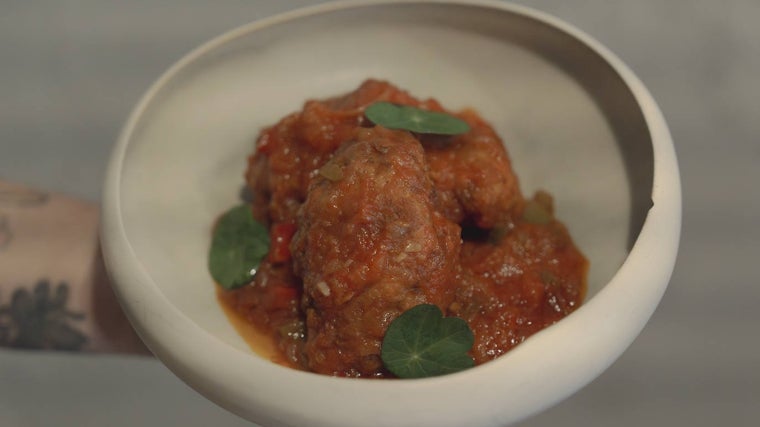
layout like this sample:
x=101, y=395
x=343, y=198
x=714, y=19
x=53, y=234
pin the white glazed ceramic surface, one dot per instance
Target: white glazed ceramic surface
x=575, y=120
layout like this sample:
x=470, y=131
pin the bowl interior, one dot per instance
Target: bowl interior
x=569, y=121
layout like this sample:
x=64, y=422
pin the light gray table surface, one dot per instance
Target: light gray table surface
x=71, y=70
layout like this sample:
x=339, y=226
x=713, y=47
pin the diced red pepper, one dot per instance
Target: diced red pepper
x=265, y=145
x=280, y=235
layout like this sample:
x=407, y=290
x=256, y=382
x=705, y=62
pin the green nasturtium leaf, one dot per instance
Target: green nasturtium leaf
x=238, y=245
x=414, y=119
x=422, y=343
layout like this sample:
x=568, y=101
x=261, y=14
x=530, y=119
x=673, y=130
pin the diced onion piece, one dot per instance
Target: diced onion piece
x=323, y=288
x=331, y=171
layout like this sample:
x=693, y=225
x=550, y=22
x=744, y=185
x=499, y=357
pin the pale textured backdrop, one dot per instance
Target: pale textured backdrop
x=71, y=70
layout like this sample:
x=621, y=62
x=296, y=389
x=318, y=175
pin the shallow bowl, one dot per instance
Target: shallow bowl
x=575, y=119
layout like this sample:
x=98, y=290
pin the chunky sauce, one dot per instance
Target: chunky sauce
x=367, y=222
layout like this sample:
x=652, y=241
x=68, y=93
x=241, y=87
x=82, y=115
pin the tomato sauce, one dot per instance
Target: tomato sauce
x=367, y=222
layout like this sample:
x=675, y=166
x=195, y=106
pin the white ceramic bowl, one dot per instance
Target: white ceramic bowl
x=575, y=120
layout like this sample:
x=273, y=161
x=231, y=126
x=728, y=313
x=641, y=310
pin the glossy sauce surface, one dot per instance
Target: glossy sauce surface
x=367, y=222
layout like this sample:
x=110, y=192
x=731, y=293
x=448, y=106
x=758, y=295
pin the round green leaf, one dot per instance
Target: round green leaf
x=422, y=343
x=238, y=245
x=414, y=119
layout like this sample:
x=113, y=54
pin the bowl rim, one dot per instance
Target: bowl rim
x=437, y=400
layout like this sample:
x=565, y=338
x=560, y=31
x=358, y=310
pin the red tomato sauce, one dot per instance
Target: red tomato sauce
x=367, y=222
